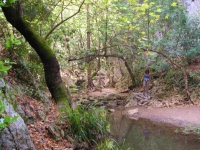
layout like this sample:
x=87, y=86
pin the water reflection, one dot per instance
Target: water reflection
x=143, y=134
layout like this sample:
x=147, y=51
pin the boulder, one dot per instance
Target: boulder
x=16, y=135
x=131, y=112
x=26, y=114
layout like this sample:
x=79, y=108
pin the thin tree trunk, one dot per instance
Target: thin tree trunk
x=89, y=78
x=106, y=33
x=51, y=66
x=187, y=94
x=130, y=73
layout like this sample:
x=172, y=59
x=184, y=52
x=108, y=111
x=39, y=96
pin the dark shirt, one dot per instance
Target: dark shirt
x=146, y=77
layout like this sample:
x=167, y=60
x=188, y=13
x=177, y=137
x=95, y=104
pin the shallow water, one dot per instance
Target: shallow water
x=143, y=134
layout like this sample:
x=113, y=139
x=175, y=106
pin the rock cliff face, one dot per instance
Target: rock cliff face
x=16, y=135
x=193, y=8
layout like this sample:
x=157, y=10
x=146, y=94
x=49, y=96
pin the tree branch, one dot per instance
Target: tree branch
x=93, y=56
x=187, y=93
x=64, y=20
x=165, y=56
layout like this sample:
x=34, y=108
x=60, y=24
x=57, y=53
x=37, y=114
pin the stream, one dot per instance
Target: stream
x=143, y=134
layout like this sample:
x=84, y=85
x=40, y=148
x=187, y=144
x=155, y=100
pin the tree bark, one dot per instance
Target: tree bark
x=89, y=77
x=51, y=66
x=130, y=73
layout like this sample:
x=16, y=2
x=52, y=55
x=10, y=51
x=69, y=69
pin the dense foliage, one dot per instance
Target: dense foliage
x=85, y=37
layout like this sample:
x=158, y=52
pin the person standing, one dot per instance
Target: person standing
x=146, y=79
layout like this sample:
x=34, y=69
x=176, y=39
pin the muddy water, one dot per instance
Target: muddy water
x=143, y=134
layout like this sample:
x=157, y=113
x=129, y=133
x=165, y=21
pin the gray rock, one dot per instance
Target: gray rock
x=55, y=132
x=2, y=83
x=16, y=135
x=111, y=110
x=131, y=112
x=41, y=114
x=27, y=116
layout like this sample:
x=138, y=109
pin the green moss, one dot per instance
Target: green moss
x=46, y=54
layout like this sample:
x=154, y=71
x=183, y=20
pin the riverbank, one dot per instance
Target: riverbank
x=181, y=115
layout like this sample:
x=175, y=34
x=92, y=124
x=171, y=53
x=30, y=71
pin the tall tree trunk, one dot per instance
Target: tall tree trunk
x=51, y=66
x=89, y=76
x=106, y=33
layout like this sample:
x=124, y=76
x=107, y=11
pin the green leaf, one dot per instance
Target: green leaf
x=7, y=60
x=2, y=126
x=5, y=68
x=12, y=38
x=174, y=4
x=8, y=3
x=2, y=108
x=7, y=119
x=16, y=42
x=8, y=44
x=4, y=72
x=1, y=3
x=14, y=118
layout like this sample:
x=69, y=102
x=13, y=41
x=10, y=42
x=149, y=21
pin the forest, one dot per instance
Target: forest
x=69, y=67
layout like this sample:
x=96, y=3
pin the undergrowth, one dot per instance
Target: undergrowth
x=86, y=124
x=6, y=96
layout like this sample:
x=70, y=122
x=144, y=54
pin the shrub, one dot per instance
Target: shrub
x=194, y=79
x=174, y=77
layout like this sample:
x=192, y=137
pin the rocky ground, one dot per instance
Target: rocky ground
x=40, y=119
